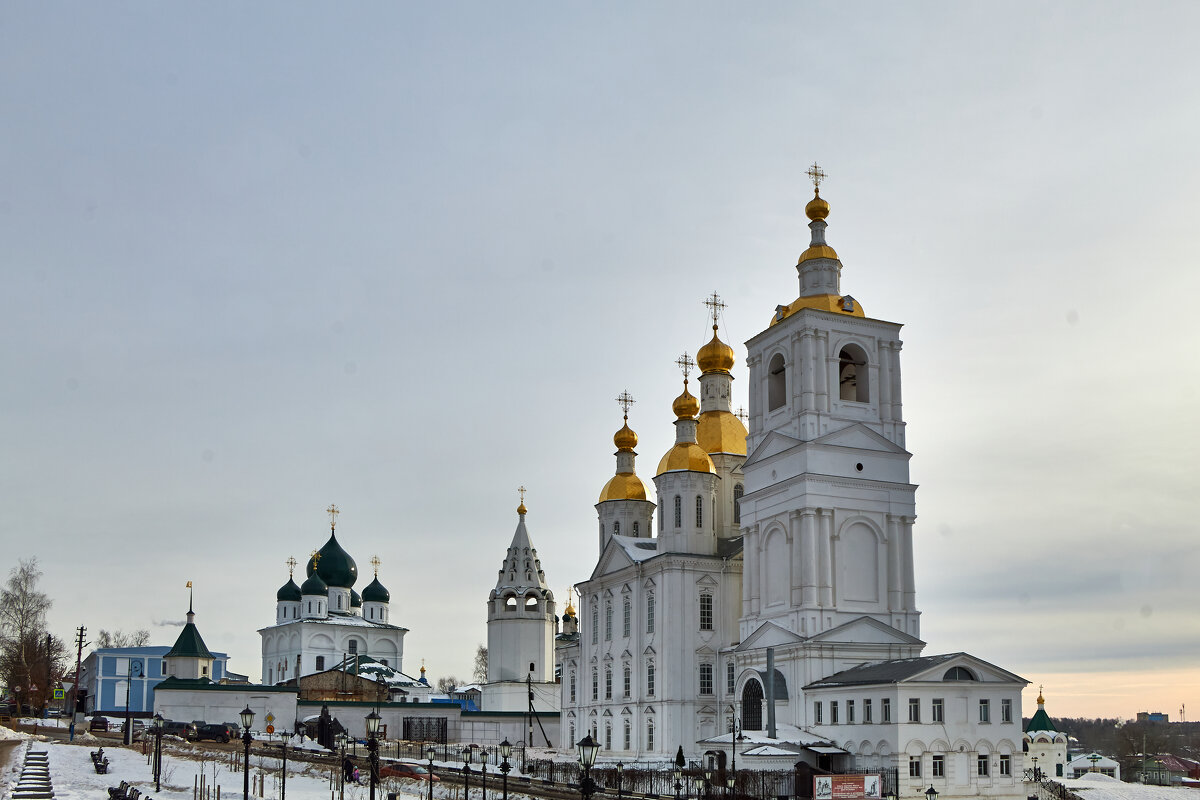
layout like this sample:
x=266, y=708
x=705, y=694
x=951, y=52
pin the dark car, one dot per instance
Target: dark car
x=405, y=770
x=216, y=732
x=184, y=730
x=98, y=724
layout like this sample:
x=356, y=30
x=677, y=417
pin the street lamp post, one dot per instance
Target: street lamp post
x=931, y=793
x=373, y=748
x=1036, y=776
x=467, y=772
x=620, y=774
x=247, y=720
x=341, y=740
x=707, y=778
x=430, y=751
x=283, y=776
x=678, y=771
x=588, y=748
x=483, y=759
x=158, y=734
x=505, y=752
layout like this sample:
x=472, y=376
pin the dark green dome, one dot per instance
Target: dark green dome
x=335, y=566
x=375, y=593
x=314, y=585
x=289, y=591
x=355, y=599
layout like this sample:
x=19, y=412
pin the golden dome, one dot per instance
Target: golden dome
x=625, y=439
x=521, y=509
x=825, y=302
x=624, y=486
x=686, y=456
x=716, y=356
x=817, y=208
x=685, y=406
x=721, y=432
x=570, y=612
x=817, y=251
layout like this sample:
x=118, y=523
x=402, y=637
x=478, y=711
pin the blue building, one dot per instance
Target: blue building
x=108, y=672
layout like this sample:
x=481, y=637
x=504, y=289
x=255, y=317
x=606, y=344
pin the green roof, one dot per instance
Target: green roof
x=1040, y=722
x=189, y=644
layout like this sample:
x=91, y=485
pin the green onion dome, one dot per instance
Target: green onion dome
x=334, y=565
x=355, y=599
x=314, y=585
x=375, y=593
x=289, y=591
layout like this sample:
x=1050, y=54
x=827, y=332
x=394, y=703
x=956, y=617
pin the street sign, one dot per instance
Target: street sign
x=59, y=694
x=270, y=717
x=270, y=729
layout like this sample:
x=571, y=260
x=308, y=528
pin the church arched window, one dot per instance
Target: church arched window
x=352, y=646
x=650, y=734
x=572, y=685
x=616, y=528
x=531, y=603
x=852, y=374
x=699, y=511
x=738, y=491
x=635, y=529
x=607, y=621
x=776, y=382
x=678, y=511
x=650, y=612
x=628, y=612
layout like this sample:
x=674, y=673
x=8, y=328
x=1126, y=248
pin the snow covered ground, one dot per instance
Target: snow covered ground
x=1094, y=786
x=74, y=778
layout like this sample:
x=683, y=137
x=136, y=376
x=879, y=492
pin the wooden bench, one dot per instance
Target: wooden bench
x=119, y=792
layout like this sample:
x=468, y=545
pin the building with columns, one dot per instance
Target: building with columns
x=775, y=593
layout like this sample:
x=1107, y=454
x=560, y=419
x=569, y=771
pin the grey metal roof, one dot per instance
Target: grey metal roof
x=780, y=684
x=894, y=671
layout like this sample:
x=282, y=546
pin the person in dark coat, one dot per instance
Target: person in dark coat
x=348, y=769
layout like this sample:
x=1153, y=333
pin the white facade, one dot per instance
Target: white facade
x=800, y=551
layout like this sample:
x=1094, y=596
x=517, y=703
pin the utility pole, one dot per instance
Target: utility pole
x=79, y=644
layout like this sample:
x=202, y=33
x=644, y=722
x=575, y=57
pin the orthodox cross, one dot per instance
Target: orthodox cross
x=521, y=491
x=316, y=558
x=715, y=306
x=817, y=174
x=332, y=511
x=291, y=565
x=625, y=400
x=685, y=363
x=375, y=562
x=741, y=414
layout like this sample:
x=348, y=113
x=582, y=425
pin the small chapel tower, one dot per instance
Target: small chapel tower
x=686, y=482
x=624, y=507
x=828, y=509
x=189, y=658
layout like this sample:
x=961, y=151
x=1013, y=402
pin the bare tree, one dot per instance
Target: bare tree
x=29, y=657
x=138, y=638
x=481, y=664
x=447, y=684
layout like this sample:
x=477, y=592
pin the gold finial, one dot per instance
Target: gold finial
x=332, y=511
x=315, y=555
x=817, y=174
x=715, y=307
x=521, y=508
x=375, y=562
x=625, y=401
x=291, y=565
x=685, y=363
x=741, y=414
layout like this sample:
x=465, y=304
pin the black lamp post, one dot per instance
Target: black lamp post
x=1036, y=776
x=707, y=777
x=341, y=740
x=931, y=793
x=158, y=734
x=620, y=773
x=678, y=771
x=431, y=751
x=467, y=772
x=505, y=752
x=588, y=748
x=283, y=738
x=247, y=720
x=483, y=759
x=373, y=748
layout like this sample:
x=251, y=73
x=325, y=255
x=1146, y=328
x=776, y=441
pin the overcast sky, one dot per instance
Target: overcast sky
x=262, y=258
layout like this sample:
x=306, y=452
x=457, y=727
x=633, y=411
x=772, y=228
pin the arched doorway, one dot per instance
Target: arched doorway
x=752, y=700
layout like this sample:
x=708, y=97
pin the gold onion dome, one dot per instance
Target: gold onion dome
x=623, y=486
x=686, y=406
x=817, y=208
x=721, y=432
x=625, y=439
x=570, y=612
x=686, y=456
x=716, y=356
x=522, y=510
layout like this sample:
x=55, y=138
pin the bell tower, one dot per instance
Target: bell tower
x=828, y=509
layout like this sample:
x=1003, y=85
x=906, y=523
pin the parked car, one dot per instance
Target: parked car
x=405, y=770
x=99, y=724
x=216, y=732
x=184, y=730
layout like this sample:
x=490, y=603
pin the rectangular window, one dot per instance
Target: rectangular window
x=914, y=709
x=353, y=645
x=1006, y=765
x=122, y=667
x=626, y=675
x=849, y=712
x=1005, y=711
x=608, y=687
x=595, y=685
x=706, y=679
x=885, y=709
x=164, y=667
x=595, y=625
x=572, y=687
x=981, y=765
x=914, y=766
x=985, y=711
x=867, y=711
x=608, y=736
x=650, y=679
x=818, y=713
x=649, y=735
x=320, y=663
x=628, y=615
x=706, y=617
x=608, y=622
x=833, y=712
x=939, y=710
x=649, y=613
x=939, y=766
x=628, y=731
x=730, y=682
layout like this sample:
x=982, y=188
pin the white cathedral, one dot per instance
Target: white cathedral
x=773, y=600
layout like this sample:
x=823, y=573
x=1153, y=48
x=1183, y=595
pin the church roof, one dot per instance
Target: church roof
x=289, y=591
x=892, y=671
x=376, y=593
x=1041, y=722
x=333, y=564
x=522, y=569
x=189, y=644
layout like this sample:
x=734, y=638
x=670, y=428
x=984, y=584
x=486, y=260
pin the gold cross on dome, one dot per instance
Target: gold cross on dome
x=316, y=558
x=291, y=565
x=715, y=306
x=625, y=401
x=741, y=414
x=817, y=174
x=685, y=363
x=521, y=490
x=332, y=511
x=375, y=562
